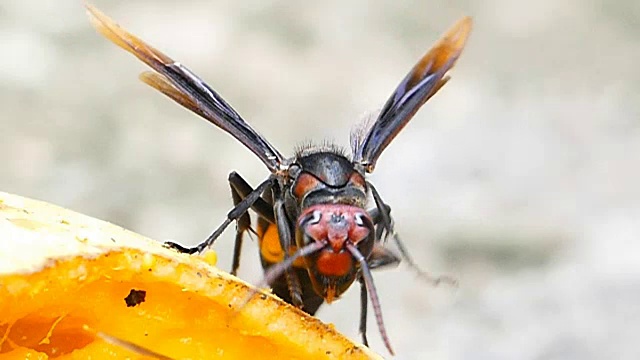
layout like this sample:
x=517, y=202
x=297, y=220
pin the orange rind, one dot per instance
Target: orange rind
x=74, y=287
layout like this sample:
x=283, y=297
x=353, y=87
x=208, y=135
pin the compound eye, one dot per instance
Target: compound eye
x=361, y=220
x=310, y=218
x=304, y=184
x=361, y=233
x=316, y=216
x=311, y=228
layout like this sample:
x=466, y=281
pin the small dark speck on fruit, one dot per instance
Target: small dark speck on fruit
x=135, y=297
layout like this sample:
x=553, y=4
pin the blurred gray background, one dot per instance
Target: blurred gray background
x=520, y=177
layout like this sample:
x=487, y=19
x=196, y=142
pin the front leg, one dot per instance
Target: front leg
x=240, y=189
x=376, y=216
x=384, y=217
x=234, y=214
x=286, y=241
x=382, y=257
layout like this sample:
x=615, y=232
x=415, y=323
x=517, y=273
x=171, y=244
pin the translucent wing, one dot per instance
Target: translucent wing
x=422, y=82
x=180, y=84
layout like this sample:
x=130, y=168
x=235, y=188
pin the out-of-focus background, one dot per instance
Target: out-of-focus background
x=521, y=177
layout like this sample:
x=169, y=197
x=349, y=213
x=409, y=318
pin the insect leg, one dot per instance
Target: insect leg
x=404, y=252
x=382, y=257
x=286, y=241
x=376, y=216
x=234, y=214
x=363, y=311
x=260, y=206
x=242, y=224
x=240, y=189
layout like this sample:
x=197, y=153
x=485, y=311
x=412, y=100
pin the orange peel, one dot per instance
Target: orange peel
x=64, y=278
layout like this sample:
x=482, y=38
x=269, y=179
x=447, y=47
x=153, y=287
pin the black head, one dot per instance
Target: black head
x=326, y=177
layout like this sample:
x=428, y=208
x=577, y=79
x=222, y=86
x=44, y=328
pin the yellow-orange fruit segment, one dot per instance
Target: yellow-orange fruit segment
x=64, y=278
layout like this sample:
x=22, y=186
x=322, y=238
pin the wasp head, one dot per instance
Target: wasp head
x=333, y=268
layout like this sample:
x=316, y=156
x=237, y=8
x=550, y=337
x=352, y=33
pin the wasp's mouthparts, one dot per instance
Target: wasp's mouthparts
x=335, y=225
x=331, y=294
x=337, y=232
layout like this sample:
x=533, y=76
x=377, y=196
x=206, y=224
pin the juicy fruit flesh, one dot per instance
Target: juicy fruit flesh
x=51, y=323
x=45, y=315
x=64, y=278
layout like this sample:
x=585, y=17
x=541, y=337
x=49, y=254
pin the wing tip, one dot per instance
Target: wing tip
x=107, y=27
x=132, y=44
x=98, y=19
x=458, y=34
x=94, y=15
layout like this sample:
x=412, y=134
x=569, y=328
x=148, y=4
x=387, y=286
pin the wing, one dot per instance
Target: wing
x=184, y=87
x=420, y=84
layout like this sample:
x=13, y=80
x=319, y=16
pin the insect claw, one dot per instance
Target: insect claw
x=253, y=231
x=179, y=248
x=296, y=299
